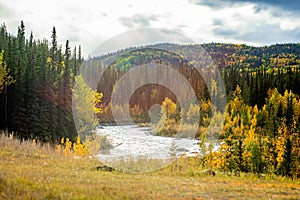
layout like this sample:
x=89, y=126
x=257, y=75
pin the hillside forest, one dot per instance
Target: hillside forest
x=261, y=118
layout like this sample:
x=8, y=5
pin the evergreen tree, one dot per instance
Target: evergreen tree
x=286, y=165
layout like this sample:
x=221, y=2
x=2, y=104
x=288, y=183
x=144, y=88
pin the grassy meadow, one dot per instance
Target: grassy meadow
x=31, y=171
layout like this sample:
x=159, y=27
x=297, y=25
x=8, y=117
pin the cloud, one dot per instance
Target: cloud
x=225, y=32
x=261, y=33
x=247, y=23
x=215, y=4
x=5, y=11
x=217, y=22
x=140, y=37
x=91, y=23
x=289, y=5
x=137, y=21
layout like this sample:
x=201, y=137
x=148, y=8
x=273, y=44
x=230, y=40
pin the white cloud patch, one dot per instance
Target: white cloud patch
x=288, y=25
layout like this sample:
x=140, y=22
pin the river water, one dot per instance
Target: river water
x=131, y=142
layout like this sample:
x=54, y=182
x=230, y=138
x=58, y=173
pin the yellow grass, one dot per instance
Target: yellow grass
x=32, y=171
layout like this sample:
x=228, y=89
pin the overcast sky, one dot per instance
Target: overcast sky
x=91, y=22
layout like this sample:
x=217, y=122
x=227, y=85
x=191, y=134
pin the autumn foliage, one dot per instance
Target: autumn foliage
x=261, y=141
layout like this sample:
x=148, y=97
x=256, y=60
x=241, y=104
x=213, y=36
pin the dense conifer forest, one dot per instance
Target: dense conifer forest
x=37, y=103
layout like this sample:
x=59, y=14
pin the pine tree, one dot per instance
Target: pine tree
x=286, y=165
x=67, y=95
x=18, y=111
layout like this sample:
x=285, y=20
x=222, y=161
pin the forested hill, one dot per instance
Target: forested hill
x=238, y=55
x=279, y=55
x=254, y=69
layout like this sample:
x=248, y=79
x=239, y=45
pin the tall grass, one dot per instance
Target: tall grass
x=30, y=170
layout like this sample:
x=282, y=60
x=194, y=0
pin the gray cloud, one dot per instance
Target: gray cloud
x=263, y=34
x=137, y=21
x=260, y=7
x=271, y=35
x=215, y=4
x=225, y=32
x=289, y=5
x=217, y=22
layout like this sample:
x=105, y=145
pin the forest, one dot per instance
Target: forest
x=36, y=91
x=261, y=129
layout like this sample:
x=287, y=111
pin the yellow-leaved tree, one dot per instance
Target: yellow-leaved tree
x=85, y=107
x=5, y=78
x=168, y=107
x=240, y=148
x=170, y=119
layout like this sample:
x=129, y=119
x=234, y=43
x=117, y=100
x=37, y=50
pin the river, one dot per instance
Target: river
x=132, y=141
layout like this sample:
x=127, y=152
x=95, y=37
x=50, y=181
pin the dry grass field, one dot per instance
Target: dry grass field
x=32, y=171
